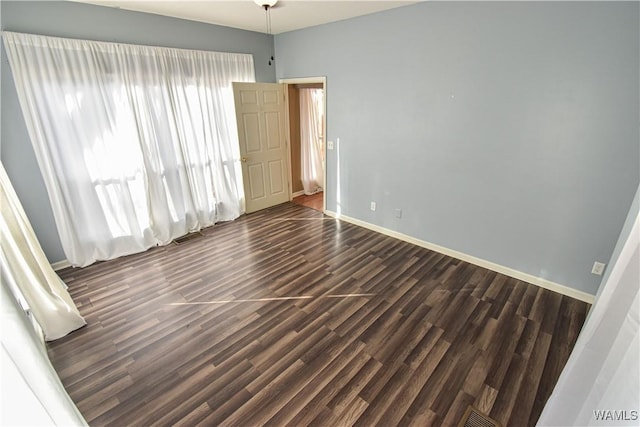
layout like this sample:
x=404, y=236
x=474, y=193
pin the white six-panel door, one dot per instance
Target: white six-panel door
x=260, y=114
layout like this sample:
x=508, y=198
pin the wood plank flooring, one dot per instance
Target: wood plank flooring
x=313, y=201
x=288, y=317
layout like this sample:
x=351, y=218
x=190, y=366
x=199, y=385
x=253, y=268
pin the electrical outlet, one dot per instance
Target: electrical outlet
x=398, y=213
x=373, y=206
x=598, y=268
x=329, y=145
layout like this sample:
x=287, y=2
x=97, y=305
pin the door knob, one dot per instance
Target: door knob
x=243, y=159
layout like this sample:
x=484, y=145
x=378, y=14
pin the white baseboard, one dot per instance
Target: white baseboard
x=525, y=277
x=297, y=194
x=60, y=265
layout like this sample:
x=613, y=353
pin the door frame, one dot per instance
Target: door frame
x=304, y=80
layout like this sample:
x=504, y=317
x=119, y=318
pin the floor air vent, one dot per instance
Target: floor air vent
x=474, y=418
x=187, y=237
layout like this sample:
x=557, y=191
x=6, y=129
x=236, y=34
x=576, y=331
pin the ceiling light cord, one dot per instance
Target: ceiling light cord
x=267, y=5
x=267, y=9
x=269, y=30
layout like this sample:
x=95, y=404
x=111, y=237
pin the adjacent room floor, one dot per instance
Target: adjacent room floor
x=288, y=317
x=313, y=201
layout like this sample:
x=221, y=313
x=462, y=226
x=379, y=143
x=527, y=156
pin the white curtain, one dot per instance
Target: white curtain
x=311, y=139
x=600, y=385
x=35, y=306
x=137, y=145
x=28, y=274
x=32, y=394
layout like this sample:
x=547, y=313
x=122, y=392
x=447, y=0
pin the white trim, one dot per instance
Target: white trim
x=297, y=194
x=303, y=80
x=60, y=265
x=287, y=124
x=525, y=277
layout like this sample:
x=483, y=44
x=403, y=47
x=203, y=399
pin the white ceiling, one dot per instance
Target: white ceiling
x=286, y=15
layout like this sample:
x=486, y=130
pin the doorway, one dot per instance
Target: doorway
x=306, y=99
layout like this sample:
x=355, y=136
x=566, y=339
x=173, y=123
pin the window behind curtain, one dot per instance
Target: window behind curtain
x=137, y=144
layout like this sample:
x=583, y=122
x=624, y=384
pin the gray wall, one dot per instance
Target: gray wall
x=75, y=20
x=504, y=130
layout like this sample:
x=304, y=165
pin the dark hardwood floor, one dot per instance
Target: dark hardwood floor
x=288, y=317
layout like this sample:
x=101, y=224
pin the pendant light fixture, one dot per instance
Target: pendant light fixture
x=267, y=5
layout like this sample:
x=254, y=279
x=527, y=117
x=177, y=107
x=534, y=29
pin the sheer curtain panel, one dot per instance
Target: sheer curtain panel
x=137, y=145
x=35, y=306
x=32, y=394
x=27, y=272
x=311, y=112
